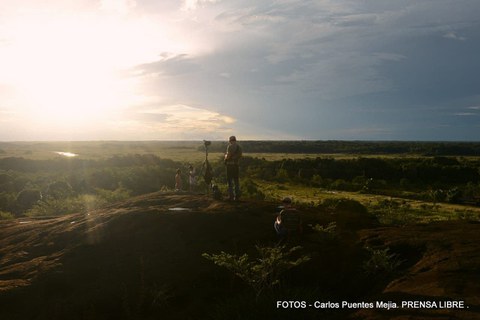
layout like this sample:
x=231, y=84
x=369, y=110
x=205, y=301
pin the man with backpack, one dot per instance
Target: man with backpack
x=234, y=153
x=288, y=222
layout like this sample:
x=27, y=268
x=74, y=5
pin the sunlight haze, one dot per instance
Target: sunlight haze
x=195, y=69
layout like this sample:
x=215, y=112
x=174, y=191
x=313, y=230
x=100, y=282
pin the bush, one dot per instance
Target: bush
x=55, y=207
x=7, y=201
x=6, y=215
x=262, y=273
x=317, y=180
x=113, y=196
x=343, y=204
x=59, y=190
x=328, y=231
x=282, y=176
x=251, y=190
x=27, y=198
x=381, y=261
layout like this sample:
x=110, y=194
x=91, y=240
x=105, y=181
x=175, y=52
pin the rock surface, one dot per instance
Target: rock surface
x=141, y=259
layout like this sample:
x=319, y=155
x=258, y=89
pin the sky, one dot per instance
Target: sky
x=208, y=69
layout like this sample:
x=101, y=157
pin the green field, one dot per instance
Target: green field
x=391, y=210
x=413, y=186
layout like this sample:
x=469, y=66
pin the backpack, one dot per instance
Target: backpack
x=236, y=154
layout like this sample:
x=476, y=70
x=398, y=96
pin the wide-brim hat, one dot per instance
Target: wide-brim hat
x=287, y=200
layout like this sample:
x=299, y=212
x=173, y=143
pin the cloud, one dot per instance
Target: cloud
x=390, y=56
x=6, y=115
x=169, y=64
x=454, y=36
x=194, y=4
x=465, y=114
x=357, y=20
x=290, y=66
x=175, y=122
x=121, y=7
x=226, y=75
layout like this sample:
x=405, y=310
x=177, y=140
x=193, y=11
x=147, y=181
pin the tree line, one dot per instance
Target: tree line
x=453, y=179
x=357, y=147
x=44, y=187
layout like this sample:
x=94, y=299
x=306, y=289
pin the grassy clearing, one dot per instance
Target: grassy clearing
x=389, y=210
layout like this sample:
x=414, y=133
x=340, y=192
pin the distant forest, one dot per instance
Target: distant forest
x=357, y=147
x=430, y=171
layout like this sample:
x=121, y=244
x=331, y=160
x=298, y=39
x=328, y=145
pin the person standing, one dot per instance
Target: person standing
x=178, y=180
x=234, y=153
x=192, y=178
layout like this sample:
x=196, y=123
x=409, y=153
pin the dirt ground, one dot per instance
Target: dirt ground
x=142, y=259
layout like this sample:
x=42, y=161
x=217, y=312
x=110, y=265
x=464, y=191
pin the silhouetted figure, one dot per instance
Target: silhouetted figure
x=208, y=174
x=178, y=180
x=288, y=221
x=192, y=178
x=234, y=153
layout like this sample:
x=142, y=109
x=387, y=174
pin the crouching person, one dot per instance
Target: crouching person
x=288, y=222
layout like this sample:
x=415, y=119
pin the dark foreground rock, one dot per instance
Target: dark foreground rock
x=142, y=259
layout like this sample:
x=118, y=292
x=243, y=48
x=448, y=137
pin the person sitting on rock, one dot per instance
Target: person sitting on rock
x=288, y=221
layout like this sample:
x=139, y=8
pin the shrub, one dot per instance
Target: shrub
x=251, y=190
x=6, y=215
x=5, y=178
x=329, y=230
x=317, y=180
x=59, y=190
x=381, y=261
x=113, y=196
x=261, y=273
x=27, y=198
x=393, y=212
x=282, y=175
x=343, y=204
x=54, y=207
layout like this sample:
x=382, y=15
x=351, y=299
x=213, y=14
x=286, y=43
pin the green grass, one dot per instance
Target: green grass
x=389, y=210
x=399, y=210
x=6, y=215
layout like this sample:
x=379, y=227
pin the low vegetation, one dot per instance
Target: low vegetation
x=428, y=181
x=381, y=261
x=264, y=272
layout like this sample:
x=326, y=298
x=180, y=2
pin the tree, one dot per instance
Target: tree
x=27, y=198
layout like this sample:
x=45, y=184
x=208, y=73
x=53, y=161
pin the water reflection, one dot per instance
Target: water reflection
x=66, y=154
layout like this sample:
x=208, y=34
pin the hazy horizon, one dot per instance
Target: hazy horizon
x=245, y=140
x=143, y=70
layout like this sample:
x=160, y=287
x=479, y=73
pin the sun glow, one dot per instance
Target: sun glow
x=69, y=70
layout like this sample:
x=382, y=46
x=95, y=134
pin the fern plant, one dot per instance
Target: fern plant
x=381, y=260
x=263, y=272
